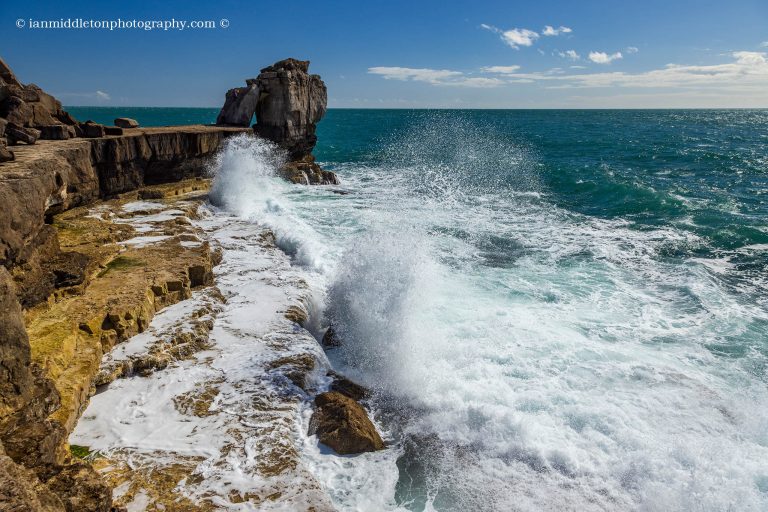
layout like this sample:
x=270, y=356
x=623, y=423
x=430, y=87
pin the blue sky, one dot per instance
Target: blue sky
x=403, y=54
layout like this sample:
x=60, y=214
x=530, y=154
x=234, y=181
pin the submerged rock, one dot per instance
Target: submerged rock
x=343, y=425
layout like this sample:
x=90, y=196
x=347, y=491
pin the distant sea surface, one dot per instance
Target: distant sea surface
x=557, y=309
x=146, y=116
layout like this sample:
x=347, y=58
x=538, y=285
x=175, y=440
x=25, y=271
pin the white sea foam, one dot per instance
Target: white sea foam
x=525, y=357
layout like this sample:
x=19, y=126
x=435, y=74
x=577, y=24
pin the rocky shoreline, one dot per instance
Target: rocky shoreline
x=100, y=232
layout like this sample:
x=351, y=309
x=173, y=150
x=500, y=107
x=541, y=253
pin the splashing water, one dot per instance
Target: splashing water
x=550, y=321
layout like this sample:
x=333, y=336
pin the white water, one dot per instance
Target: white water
x=524, y=357
x=563, y=371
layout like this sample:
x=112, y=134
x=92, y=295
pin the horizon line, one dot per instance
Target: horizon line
x=453, y=108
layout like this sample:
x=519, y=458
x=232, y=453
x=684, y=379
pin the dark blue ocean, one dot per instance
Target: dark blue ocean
x=556, y=309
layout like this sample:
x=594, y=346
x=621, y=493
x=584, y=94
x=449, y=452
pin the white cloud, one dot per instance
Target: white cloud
x=475, y=82
x=745, y=76
x=433, y=76
x=518, y=37
x=569, y=54
x=604, y=58
x=764, y=44
x=551, y=31
x=500, y=69
x=747, y=72
x=632, y=49
x=416, y=74
x=102, y=95
x=750, y=58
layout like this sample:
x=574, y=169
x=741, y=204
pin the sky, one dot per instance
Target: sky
x=400, y=54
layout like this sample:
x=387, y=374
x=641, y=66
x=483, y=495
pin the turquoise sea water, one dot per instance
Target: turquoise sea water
x=558, y=310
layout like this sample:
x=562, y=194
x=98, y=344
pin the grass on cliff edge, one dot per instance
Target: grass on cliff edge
x=82, y=452
x=122, y=263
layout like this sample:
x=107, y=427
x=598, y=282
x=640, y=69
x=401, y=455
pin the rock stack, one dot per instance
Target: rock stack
x=288, y=103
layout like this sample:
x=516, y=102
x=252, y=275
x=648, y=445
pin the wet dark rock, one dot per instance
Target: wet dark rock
x=343, y=425
x=113, y=130
x=297, y=368
x=307, y=172
x=348, y=388
x=330, y=338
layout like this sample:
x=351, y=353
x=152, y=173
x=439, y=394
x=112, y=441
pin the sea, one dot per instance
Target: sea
x=554, y=309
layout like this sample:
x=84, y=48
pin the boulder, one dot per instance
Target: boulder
x=91, y=130
x=348, y=388
x=113, y=130
x=343, y=425
x=291, y=102
x=16, y=134
x=239, y=105
x=126, y=122
x=54, y=132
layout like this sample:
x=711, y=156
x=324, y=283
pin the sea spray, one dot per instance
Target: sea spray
x=241, y=173
x=246, y=182
x=550, y=330
x=372, y=301
x=524, y=368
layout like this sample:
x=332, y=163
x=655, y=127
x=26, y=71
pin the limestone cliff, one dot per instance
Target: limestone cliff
x=44, y=180
x=46, y=270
